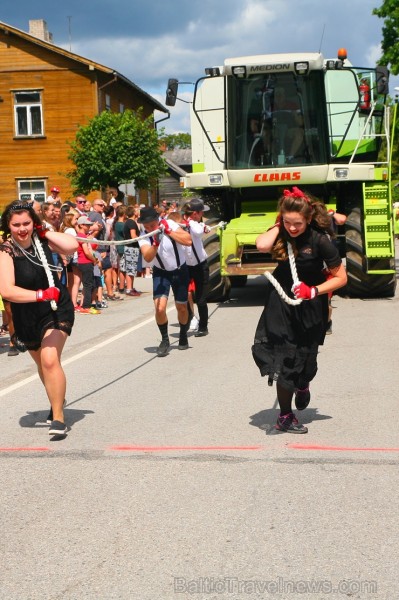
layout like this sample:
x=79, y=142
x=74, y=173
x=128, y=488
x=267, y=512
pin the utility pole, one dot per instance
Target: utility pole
x=69, y=33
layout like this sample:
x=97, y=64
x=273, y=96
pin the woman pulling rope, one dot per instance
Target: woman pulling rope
x=42, y=310
x=290, y=330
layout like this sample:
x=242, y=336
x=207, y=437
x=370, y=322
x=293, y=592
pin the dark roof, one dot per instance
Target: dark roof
x=178, y=170
x=179, y=156
x=81, y=59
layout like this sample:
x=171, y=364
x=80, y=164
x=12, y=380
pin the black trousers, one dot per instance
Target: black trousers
x=87, y=270
x=200, y=274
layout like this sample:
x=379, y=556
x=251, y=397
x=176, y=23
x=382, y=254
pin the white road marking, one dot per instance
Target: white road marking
x=16, y=386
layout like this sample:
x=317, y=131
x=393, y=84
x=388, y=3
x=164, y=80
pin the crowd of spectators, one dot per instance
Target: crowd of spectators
x=96, y=274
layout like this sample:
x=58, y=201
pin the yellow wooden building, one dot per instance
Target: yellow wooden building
x=46, y=92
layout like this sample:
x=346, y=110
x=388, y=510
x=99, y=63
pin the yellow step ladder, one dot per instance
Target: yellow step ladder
x=378, y=229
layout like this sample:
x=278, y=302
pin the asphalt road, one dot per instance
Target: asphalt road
x=170, y=483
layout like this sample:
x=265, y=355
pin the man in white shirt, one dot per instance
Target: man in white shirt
x=197, y=259
x=165, y=253
x=54, y=195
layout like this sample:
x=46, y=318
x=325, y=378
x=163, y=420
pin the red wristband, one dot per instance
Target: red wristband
x=41, y=231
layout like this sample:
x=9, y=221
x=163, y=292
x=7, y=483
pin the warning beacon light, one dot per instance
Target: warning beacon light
x=342, y=54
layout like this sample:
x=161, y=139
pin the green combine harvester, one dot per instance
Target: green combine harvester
x=262, y=123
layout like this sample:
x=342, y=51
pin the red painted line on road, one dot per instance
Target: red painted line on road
x=25, y=449
x=172, y=448
x=339, y=448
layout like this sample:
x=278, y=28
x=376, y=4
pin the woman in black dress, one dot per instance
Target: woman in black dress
x=294, y=321
x=42, y=310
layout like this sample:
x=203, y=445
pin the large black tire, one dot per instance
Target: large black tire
x=360, y=283
x=219, y=287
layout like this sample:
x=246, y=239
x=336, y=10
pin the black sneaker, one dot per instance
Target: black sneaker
x=201, y=333
x=302, y=398
x=290, y=424
x=49, y=419
x=12, y=351
x=57, y=428
x=329, y=328
x=183, y=345
x=163, y=348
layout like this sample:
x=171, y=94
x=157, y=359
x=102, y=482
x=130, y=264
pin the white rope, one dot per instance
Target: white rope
x=291, y=258
x=133, y=240
x=118, y=242
x=43, y=259
x=295, y=279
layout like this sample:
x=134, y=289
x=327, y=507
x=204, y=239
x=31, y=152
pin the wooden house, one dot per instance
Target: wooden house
x=46, y=93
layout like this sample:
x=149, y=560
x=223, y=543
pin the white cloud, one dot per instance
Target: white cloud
x=180, y=114
x=229, y=28
x=200, y=43
x=374, y=54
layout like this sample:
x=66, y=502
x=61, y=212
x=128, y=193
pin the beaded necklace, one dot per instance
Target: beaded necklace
x=38, y=252
x=31, y=256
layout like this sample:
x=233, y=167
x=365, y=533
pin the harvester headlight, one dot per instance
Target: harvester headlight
x=216, y=179
x=334, y=64
x=301, y=68
x=212, y=71
x=240, y=72
x=341, y=173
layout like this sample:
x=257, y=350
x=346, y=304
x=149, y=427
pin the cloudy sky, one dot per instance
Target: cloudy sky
x=149, y=41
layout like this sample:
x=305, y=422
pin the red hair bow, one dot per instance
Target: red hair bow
x=296, y=193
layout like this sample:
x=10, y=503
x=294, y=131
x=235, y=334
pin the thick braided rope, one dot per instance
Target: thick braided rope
x=131, y=241
x=117, y=242
x=295, y=279
x=291, y=258
x=46, y=267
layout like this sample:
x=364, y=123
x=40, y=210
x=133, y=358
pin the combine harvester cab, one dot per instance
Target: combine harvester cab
x=264, y=123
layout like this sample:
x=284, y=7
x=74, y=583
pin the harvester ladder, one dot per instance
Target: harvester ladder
x=384, y=135
x=378, y=231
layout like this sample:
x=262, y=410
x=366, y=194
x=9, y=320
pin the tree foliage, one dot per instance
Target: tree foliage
x=176, y=140
x=116, y=148
x=389, y=11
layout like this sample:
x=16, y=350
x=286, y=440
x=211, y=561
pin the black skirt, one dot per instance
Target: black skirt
x=287, y=339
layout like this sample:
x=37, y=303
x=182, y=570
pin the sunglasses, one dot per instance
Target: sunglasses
x=81, y=202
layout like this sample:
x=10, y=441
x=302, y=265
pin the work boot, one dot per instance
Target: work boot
x=183, y=344
x=201, y=333
x=163, y=347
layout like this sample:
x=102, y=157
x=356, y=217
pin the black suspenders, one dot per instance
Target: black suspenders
x=195, y=253
x=176, y=255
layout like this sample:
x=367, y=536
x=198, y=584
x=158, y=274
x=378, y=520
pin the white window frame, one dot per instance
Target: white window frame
x=29, y=119
x=107, y=102
x=26, y=194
